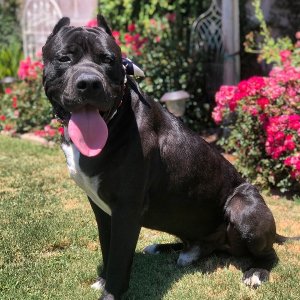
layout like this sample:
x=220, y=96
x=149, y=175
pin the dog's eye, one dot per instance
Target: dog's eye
x=64, y=58
x=108, y=59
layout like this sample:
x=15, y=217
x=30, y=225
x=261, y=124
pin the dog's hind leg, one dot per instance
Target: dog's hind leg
x=251, y=230
x=189, y=252
x=259, y=271
x=189, y=256
x=163, y=248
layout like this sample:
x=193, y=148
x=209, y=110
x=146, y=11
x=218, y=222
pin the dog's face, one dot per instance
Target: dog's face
x=84, y=80
x=83, y=67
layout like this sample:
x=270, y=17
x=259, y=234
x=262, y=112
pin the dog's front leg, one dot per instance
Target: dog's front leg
x=104, y=230
x=125, y=229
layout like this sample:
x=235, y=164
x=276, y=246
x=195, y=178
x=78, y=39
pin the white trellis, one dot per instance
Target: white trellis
x=38, y=20
x=206, y=33
x=215, y=35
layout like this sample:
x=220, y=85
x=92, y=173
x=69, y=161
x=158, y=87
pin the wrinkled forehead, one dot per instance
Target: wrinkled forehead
x=87, y=39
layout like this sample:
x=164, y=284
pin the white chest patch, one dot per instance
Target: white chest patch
x=89, y=184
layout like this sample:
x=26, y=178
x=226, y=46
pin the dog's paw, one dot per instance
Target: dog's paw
x=255, y=277
x=151, y=249
x=107, y=296
x=99, y=284
x=187, y=257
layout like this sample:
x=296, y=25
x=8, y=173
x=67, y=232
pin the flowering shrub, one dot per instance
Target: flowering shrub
x=269, y=49
x=29, y=70
x=24, y=106
x=52, y=131
x=131, y=42
x=156, y=35
x=265, y=124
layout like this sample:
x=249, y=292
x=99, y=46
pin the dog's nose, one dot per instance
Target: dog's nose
x=88, y=84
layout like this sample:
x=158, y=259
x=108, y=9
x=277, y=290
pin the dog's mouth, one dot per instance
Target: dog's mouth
x=88, y=130
x=86, y=127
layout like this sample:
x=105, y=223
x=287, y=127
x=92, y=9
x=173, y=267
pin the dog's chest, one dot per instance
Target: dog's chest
x=89, y=184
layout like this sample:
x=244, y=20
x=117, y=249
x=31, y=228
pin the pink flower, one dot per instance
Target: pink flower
x=263, y=102
x=92, y=23
x=254, y=111
x=289, y=143
x=8, y=127
x=217, y=116
x=47, y=128
x=171, y=17
x=39, y=54
x=29, y=69
x=285, y=55
x=14, y=102
x=273, y=90
x=40, y=133
x=232, y=104
x=294, y=122
x=116, y=34
x=153, y=22
x=224, y=99
x=280, y=138
x=251, y=86
x=8, y=91
x=294, y=163
x=131, y=27
x=2, y=118
x=61, y=130
x=157, y=39
x=128, y=38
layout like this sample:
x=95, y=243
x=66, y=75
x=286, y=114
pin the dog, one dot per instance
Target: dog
x=141, y=166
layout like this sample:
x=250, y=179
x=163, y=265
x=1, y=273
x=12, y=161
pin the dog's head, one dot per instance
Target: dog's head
x=83, y=77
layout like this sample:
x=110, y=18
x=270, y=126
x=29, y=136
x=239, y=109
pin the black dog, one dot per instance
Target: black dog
x=140, y=166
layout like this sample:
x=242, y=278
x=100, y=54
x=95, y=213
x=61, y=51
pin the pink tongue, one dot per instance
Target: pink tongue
x=88, y=131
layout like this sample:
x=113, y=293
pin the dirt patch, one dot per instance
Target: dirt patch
x=93, y=246
x=71, y=204
x=57, y=246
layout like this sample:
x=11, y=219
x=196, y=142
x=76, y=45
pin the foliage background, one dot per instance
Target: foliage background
x=263, y=113
x=167, y=63
x=10, y=38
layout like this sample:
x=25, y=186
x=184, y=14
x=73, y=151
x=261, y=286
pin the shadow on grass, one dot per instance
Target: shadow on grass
x=152, y=276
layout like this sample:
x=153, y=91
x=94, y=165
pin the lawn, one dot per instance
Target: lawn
x=49, y=245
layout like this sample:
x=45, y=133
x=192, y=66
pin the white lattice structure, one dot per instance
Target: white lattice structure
x=206, y=33
x=38, y=20
x=215, y=39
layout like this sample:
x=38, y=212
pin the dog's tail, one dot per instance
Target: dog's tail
x=280, y=239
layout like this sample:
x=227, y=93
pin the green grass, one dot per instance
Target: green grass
x=49, y=245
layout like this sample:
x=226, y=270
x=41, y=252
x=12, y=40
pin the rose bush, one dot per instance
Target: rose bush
x=157, y=36
x=24, y=106
x=263, y=114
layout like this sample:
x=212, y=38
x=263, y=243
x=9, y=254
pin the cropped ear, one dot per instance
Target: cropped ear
x=59, y=25
x=102, y=24
x=65, y=21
